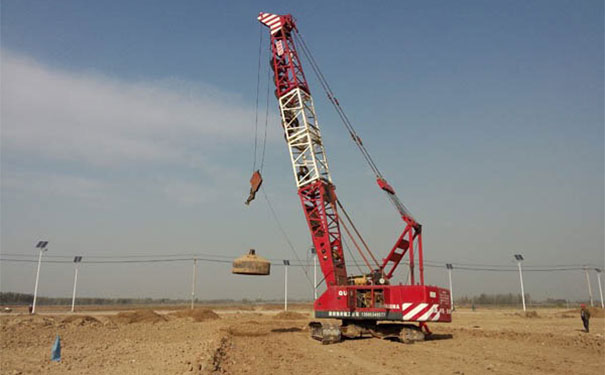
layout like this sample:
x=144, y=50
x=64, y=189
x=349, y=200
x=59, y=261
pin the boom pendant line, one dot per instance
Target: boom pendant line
x=363, y=300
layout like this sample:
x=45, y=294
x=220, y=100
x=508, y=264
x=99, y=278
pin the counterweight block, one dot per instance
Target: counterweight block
x=251, y=264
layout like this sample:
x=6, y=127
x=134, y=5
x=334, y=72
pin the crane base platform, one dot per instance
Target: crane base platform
x=331, y=333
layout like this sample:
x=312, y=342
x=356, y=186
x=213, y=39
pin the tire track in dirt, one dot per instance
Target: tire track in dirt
x=594, y=343
x=293, y=351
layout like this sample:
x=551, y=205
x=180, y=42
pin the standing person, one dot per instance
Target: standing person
x=585, y=315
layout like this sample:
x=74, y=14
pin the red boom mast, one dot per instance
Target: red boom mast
x=307, y=153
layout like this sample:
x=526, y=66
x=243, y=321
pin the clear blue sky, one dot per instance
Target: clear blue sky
x=127, y=127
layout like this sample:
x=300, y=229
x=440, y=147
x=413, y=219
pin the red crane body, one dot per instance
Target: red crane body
x=349, y=298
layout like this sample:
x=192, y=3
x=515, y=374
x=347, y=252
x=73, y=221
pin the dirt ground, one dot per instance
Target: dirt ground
x=260, y=340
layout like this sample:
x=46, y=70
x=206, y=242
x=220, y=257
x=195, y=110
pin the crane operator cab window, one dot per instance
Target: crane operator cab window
x=369, y=298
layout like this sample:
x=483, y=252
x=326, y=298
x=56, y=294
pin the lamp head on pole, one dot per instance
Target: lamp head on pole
x=42, y=245
x=519, y=257
x=598, y=270
x=286, y=262
x=77, y=259
x=449, y=266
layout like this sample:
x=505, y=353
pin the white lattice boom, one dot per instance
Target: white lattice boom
x=303, y=136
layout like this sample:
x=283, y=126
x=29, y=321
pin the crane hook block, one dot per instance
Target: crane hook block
x=255, y=182
x=251, y=264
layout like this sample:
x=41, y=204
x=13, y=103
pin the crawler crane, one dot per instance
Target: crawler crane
x=365, y=304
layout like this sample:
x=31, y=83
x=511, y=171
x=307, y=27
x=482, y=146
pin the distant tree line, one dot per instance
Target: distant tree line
x=12, y=298
x=509, y=299
x=493, y=299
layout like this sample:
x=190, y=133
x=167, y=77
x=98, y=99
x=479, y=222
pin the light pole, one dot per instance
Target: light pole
x=589, y=288
x=77, y=260
x=450, y=267
x=42, y=246
x=519, y=259
x=600, y=290
x=193, y=282
x=314, y=254
x=286, y=264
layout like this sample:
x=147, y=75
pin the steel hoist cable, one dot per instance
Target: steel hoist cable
x=262, y=159
x=357, y=232
x=283, y=232
x=260, y=45
x=347, y=123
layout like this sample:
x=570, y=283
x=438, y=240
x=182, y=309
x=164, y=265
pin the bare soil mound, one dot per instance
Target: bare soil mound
x=527, y=314
x=531, y=314
x=288, y=315
x=81, y=320
x=198, y=315
x=249, y=329
x=33, y=321
x=140, y=316
x=268, y=307
x=245, y=307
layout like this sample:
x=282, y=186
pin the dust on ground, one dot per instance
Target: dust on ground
x=528, y=314
x=249, y=328
x=250, y=342
x=290, y=315
x=575, y=313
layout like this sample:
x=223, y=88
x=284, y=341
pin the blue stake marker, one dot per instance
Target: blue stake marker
x=56, y=351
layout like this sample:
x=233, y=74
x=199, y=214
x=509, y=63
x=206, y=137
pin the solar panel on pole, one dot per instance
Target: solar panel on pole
x=589, y=288
x=286, y=264
x=450, y=267
x=77, y=260
x=193, y=282
x=600, y=289
x=42, y=246
x=519, y=259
